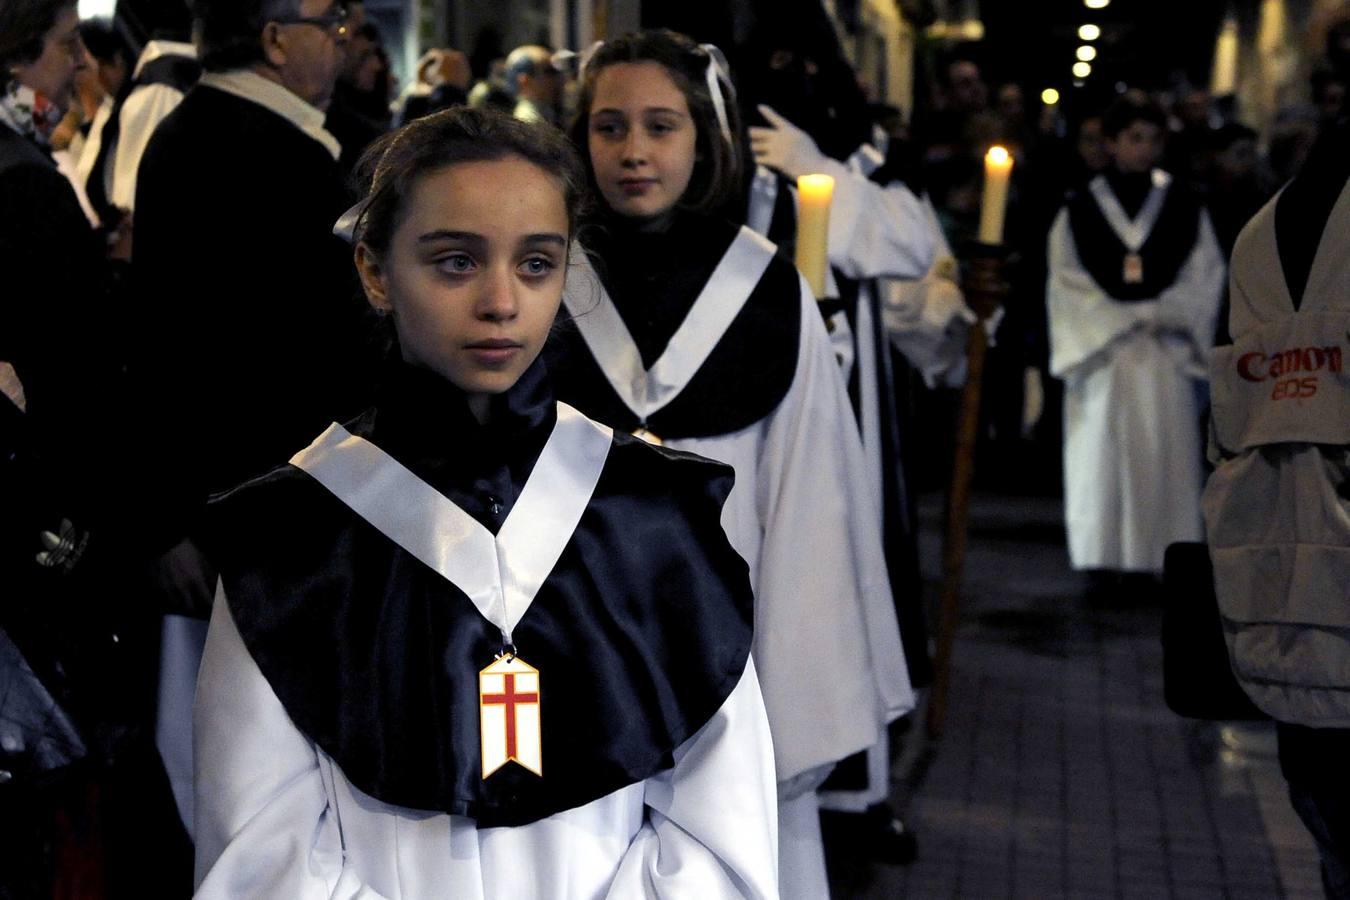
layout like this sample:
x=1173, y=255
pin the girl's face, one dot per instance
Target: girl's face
x=474, y=272
x=641, y=139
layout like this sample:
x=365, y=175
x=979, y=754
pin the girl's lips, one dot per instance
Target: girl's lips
x=636, y=186
x=494, y=352
x=493, y=344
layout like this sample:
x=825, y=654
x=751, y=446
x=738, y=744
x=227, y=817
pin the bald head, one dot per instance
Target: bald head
x=530, y=74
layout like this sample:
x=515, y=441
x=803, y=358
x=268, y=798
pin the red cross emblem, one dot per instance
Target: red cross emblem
x=508, y=709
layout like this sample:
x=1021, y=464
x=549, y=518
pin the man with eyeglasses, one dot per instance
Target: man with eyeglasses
x=254, y=331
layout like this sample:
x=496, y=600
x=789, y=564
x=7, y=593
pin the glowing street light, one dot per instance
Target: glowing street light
x=1081, y=70
x=1096, y=4
x=1049, y=96
x=1089, y=32
x=1086, y=53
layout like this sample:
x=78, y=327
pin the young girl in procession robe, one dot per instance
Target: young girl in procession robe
x=696, y=334
x=1133, y=293
x=474, y=644
x=880, y=235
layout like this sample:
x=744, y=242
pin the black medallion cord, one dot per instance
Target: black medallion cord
x=640, y=632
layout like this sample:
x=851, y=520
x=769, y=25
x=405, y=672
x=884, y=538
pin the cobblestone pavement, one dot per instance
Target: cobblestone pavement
x=1060, y=772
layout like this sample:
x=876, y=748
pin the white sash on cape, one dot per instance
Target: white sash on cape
x=646, y=391
x=1132, y=232
x=500, y=574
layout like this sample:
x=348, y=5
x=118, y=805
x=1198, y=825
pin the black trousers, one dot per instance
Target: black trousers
x=1313, y=761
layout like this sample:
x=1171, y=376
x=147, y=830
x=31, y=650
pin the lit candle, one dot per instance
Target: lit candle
x=1223, y=78
x=814, y=193
x=997, y=168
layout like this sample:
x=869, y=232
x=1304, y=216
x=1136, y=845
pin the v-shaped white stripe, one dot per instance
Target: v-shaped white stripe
x=763, y=198
x=1132, y=232
x=501, y=574
x=645, y=391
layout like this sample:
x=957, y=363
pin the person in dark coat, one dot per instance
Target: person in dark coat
x=255, y=316
x=87, y=808
x=255, y=336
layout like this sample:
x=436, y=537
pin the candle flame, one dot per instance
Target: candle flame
x=997, y=155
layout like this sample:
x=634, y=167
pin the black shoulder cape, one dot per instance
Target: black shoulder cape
x=1165, y=251
x=640, y=633
x=653, y=280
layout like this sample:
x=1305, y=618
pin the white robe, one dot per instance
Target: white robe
x=927, y=318
x=1133, y=375
x=879, y=234
x=145, y=107
x=277, y=818
x=802, y=514
x=84, y=163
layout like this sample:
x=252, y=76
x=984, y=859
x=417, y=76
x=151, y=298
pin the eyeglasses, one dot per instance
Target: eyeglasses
x=334, y=20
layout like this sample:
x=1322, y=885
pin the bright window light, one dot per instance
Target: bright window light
x=97, y=9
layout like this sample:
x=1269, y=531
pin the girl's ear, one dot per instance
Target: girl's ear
x=372, y=276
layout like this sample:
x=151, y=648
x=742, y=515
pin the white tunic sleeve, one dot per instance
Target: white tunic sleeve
x=1084, y=320
x=263, y=827
x=928, y=319
x=827, y=641
x=1190, y=305
x=876, y=230
x=144, y=109
x=711, y=825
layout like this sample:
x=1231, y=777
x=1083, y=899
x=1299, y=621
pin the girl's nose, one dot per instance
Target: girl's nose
x=634, y=148
x=497, y=302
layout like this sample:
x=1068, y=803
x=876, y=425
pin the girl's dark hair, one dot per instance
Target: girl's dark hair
x=23, y=24
x=1132, y=106
x=392, y=165
x=719, y=166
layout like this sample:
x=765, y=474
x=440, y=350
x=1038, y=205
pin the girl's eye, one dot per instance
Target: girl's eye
x=607, y=129
x=457, y=264
x=538, y=266
x=660, y=127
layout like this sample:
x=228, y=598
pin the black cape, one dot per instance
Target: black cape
x=1165, y=251
x=640, y=632
x=1304, y=207
x=653, y=281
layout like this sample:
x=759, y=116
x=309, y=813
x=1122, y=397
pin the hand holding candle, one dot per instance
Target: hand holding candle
x=997, y=169
x=814, y=193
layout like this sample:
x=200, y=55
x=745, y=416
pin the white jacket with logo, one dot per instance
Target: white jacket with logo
x=1277, y=507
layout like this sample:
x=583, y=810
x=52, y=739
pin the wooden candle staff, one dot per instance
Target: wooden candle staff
x=985, y=290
